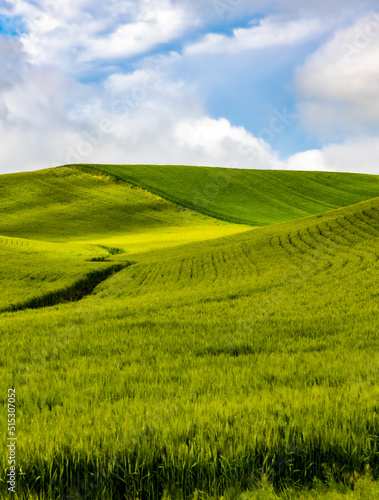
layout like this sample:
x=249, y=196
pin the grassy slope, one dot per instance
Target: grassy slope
x=208, y=365
x=255, y=197
x=32, y=270
x=64, y=205
x=43, y=214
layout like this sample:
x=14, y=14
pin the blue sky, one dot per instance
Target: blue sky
x=248, y=84
x=11, y=26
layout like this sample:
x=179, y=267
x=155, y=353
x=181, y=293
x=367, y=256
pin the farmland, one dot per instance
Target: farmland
x=217, y=359
x=255, y=197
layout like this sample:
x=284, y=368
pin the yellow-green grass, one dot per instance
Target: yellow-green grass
x=23, y=246
x=53, y=208
x=168, y=237
x=65, y=204
x=212, y=366
x=34, y=274
x=255, y=197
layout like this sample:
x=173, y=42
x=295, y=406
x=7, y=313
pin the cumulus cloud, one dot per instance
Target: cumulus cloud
x=268, y=33
x=78, y=85
x=34, y=105
x=307, y=160
x=339, y=84
x=216, y=140
x=359, y=154
x=154, y=25
x=155, y=120
x=67, y=33
x=138, y=117
x=191, y=141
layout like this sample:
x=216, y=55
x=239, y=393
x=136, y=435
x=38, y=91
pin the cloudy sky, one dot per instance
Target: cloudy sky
x=243, y=83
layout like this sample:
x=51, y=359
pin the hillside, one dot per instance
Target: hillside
x=255, y=197
x=65, y=204
x=243, y=366
x=44, y=214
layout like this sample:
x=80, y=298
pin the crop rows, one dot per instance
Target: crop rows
x=344, y=235
x=56, y=249
x=220, y=265
x=202, y=370
x=338, y=245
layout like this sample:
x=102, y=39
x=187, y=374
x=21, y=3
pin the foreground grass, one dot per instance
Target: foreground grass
x=358, y=488
x=208, y=368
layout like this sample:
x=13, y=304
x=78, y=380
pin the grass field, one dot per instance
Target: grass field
x=44, y=215
x=244, y=366
x=35, y=273
x=255, y=197
x=65, y=205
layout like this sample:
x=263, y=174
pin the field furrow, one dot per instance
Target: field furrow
x=203, y=357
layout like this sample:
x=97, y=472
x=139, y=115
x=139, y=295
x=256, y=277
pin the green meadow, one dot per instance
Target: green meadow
x=254, y=197
x=190, y=333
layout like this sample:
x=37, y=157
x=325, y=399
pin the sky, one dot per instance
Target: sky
x=267, y=84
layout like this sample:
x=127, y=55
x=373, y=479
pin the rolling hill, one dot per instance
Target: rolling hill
x=44, y=214
x=255, y=197
x=66, y=204
x=217, y=360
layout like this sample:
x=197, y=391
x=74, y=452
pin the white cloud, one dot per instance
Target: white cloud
x=172, y=140
x=307, y=160
x=142, y=115
x=120, y=83
x=68, y=33
x=167, y=125
x=268, y=33
x=219, y=143
x=11, y=57
x=151, y=27
x=139, y=117
x=358, y=154
x=339, y=83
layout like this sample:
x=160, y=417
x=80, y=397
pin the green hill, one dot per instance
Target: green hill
x=44, y=214
x=246, y=362
x=65, y=204
x=255, y=197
